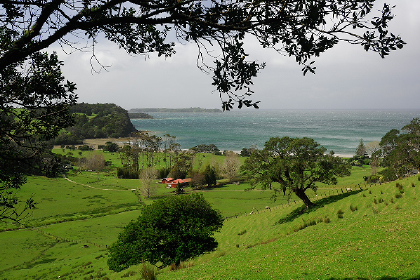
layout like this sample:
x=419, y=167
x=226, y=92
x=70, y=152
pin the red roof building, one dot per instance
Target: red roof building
x=172, y=183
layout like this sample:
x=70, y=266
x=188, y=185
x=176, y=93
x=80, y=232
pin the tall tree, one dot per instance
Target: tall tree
x=210, y=177
x=298, y=28
x=373, y=147
x=296, y=164
x=361, y=149
x=231, y=165
x=182, y=165
x=148, y=185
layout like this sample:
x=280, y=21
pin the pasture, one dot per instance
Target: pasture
x=366, y=234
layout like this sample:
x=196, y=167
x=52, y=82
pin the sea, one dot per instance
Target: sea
x=336, y=130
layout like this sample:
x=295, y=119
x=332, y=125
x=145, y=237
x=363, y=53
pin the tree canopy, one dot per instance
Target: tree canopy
x=34, y=106
x=400, y=151
x=297, y=28
x=296, y=164
x=96, y=121
x=361, y=149
x=170, y=230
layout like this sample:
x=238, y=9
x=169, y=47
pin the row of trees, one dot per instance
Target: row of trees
x=145, y=150
x=189, y=165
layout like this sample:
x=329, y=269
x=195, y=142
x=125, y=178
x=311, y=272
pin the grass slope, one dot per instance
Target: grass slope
x=379, y=240
x=369, y=234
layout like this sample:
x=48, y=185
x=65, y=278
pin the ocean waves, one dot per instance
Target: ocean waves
x=337, y=130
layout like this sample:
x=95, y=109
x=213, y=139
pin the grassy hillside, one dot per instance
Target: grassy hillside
x=376, y=237
x=366, y=234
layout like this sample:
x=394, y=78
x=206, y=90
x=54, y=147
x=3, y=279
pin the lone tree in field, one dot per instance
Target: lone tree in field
x=231, y=165
x=148, y=185
x=170, y=230
x=296, y=164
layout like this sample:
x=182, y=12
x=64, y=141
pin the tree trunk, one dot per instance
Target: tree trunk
x=302, y=195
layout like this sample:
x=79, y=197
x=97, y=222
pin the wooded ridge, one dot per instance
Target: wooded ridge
x=170, y=110
x=96, y=121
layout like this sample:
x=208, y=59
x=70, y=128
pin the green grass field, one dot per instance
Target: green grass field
x=366, y=234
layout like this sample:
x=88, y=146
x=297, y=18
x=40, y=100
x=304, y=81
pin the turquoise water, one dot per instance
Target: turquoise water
x=339, y=130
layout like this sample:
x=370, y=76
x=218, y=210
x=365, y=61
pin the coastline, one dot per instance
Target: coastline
x=95, y=142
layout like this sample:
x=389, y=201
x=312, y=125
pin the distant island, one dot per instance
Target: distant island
x=172, y=110
x=139, y=116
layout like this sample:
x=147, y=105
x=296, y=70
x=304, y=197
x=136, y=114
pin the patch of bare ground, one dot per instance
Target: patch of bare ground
x=94, y=143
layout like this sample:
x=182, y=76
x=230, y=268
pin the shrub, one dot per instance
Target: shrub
x=242, y=232
x=353, y=208
x=340, y=214
x=148, y=272
x=164, y=172
x=372, y=179
x=388, y=174
x=110, y=147
x=127, y=173
x=324, y=220
x=305, y=225
x=398, y=195
x=84, y=148
x=170, y=230
x=128, y=274
x=210, y=176
x=179, y=189
x=182, y=265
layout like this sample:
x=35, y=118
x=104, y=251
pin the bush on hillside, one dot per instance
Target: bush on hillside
x=170, y=230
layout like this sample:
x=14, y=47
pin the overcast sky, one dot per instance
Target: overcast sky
x=347, y=77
